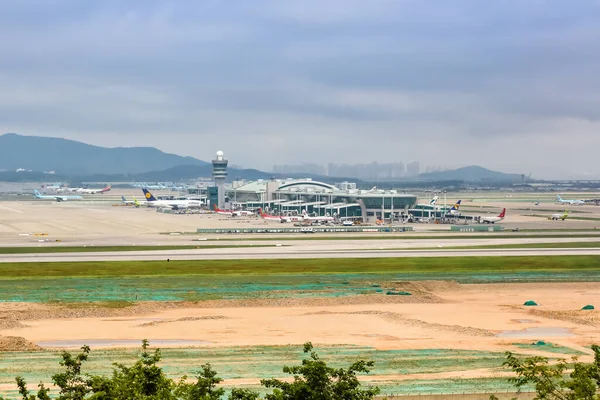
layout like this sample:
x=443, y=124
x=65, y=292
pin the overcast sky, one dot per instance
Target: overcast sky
x=512, y=85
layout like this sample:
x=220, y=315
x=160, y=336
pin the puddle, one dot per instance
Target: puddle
x=525, y=321
x=536, y=333
x=59, y=344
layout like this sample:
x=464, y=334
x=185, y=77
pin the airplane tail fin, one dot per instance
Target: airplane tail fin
x=456, y=206
x=123, y=198
x=107, y=188
x=36, y=193
x=558, y=197
x=433, y=201
x=503, y=213
x=148, y=195
x=261, y=212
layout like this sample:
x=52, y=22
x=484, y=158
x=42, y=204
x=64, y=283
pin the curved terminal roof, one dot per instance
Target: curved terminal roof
x=306, y=183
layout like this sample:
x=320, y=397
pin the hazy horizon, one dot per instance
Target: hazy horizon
x=509, y=86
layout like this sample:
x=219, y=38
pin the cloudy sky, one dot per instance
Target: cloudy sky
x=512, y=85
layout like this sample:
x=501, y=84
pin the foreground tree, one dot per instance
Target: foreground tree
x=315, y=380
x=552, y=381
x=145, y=380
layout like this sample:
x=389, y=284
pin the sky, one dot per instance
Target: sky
x=511, y=85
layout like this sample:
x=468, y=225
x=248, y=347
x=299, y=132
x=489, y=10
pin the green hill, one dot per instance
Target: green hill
x=68, y=157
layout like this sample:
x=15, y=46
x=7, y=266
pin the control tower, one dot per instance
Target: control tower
x=219, y=174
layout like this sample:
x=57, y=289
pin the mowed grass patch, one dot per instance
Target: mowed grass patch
x=100, y=249
x=408, y=265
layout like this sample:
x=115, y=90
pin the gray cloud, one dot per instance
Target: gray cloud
x=510, y=85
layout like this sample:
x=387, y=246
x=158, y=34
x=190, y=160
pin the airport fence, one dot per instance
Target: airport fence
x=314, y=229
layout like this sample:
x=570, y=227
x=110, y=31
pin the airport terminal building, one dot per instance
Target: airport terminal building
x=343, y=200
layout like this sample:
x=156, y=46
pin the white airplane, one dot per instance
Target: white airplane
x=56, y=197
x=93, y=191
x=173, y=204
x=236, y=213
x=571, y=202
x=562, y=217
x=493, y=220
x=292, y=218
x=241, y=213
x=318, y=218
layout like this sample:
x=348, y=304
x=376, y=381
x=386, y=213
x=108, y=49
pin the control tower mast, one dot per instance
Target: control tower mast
x=219, y=174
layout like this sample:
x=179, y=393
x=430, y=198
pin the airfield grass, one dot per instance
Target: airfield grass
x=568, y=245
x=97, y=249
x=420, y=266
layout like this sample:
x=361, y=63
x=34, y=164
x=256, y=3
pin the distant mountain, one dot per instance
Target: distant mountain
x=471, y=174
x=68, y=157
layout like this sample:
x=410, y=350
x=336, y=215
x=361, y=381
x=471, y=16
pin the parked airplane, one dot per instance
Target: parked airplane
x=268, y=217
x=221, y=212
x=318, y=218
x=493, y=220
x=455, y=207
x=556, y=217
x=173, y=204
x=93, y=191
x=292, y=218
x=133, y=202
x=55, y=197
x=237, y=213
x=571, y=202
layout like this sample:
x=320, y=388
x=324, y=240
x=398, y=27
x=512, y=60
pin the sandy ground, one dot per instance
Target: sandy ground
x=440, y=315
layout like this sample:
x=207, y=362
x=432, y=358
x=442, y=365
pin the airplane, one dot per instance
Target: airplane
x=493, y=220
x=562, y=217
x=571, y=202
x=173, y=204
x=268, y=217
x=292, y=218
x=455, y=207
x=92, y=191
x=237, y=213
x=241, y=213
x=58, y=198
x=318, y=218
x=221, y=212
x=133, y=202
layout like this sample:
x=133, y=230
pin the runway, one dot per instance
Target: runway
x=285, y=253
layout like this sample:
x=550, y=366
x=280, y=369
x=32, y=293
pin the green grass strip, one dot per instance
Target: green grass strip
x=423, y=265
x=568, y=245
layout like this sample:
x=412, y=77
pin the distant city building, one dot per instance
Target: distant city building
x=372, y=171
x=413, y=169
x=307, y=168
